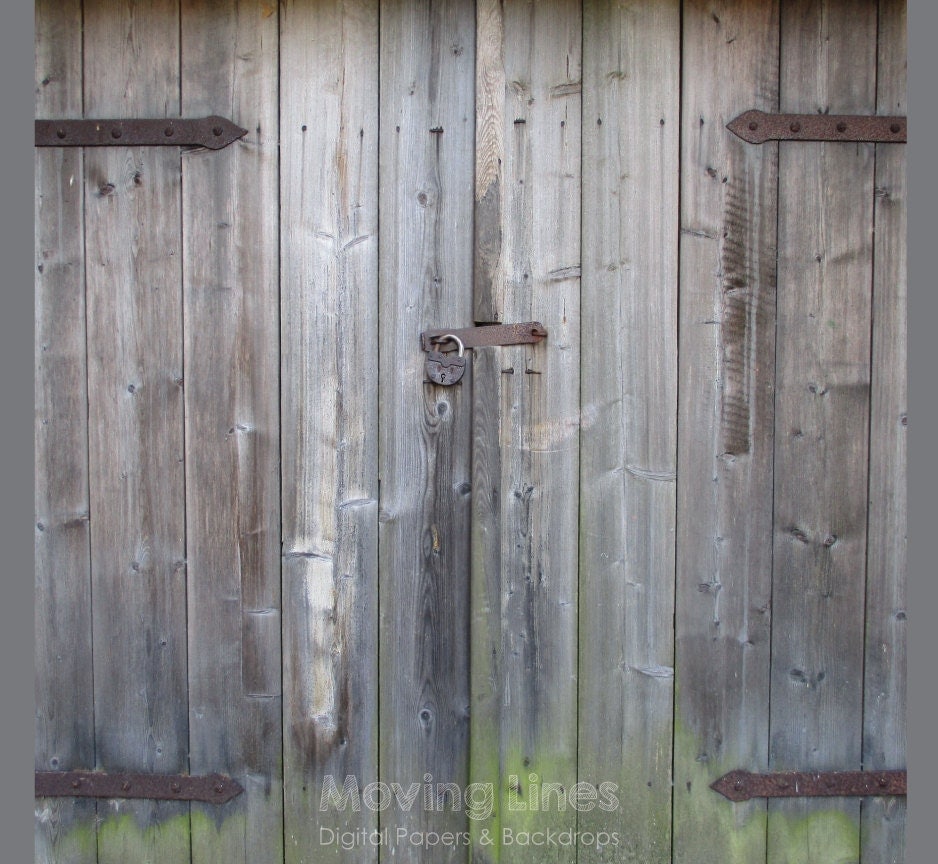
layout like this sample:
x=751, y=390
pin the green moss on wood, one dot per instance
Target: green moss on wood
x=642, y=820
x=707, y=827
x=826, y=836
x=122, y=838
x=64, y=833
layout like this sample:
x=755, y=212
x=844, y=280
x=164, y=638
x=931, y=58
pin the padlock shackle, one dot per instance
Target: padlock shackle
x=451, y=337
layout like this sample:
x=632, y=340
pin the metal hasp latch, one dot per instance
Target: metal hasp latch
x=442, y=369
x=742, y=785
x=211, y=132
x=487, y=335
x=757, y=127
x=210, y=788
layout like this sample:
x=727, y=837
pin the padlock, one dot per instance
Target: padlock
x=446, y=368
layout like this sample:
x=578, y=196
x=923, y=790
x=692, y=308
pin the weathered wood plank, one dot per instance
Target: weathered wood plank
x=526, y=438
x=427, y=73
x=628, y=450
x=132, y=218
x=64, y=694
x=231, y=322
x=725, y=427
x=883, y=821
x=488, y=295
x=828, y=63
x=329, y=326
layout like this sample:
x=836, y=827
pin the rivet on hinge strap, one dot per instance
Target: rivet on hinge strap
x=743, y=785
x=210, y=788
x=211, y=132
x=757, y=127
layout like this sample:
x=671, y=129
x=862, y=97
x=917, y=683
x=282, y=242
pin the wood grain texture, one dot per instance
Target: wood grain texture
x=628, y=449
x=329, y=326
x=725, y=427
x=488, y=300
x=828, y=63
x=427, y=73
x=883, y=820
x=132, y=218
x=526, y=444
x=63, y=653
x=232, y=359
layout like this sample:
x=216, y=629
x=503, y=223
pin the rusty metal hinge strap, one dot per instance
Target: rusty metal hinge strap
x=212, y=132
x=210, y=788
x=486, y=335
x=757, y=127
x=743, y=785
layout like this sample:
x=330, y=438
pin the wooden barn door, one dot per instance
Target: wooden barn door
x=790, y=608
x=664, y=543
x=688, y=546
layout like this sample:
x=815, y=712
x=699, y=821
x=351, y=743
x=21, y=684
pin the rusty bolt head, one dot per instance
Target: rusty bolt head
x=125, y=786
x=116, y=133
x=175, y=786
x=795, y=127
x=753, y=126
x=841, y=126
x=219, y=788
x=894, y=128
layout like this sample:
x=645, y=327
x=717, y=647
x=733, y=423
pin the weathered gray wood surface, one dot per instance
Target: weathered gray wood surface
x=526, y=434
x=64, y=696
x=329, y=320
x=725, y=428
x=135, y=430
x=631, y=129
x=488, y=292
x=427, y=70
x=884, y=736
x=493, y=582
x=828, y=63
x=232, y=361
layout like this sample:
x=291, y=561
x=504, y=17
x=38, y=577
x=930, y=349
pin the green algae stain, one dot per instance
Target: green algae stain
x=822, y=837
x=64, y=837
x=520, y=826
x=225, y=839
x=707, y=827
x=638, y=826
x=122, y=839
x=483, y=769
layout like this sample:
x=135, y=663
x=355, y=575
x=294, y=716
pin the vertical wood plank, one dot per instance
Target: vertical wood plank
x=488, y=294
x=231, y=322
x=526, y=437
x=132, y=217
x=329, y=325
x=63, y=657
x=628, y=450
x=883, y=820
x=828, y=63
x=725, y=427
x=426, y=165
